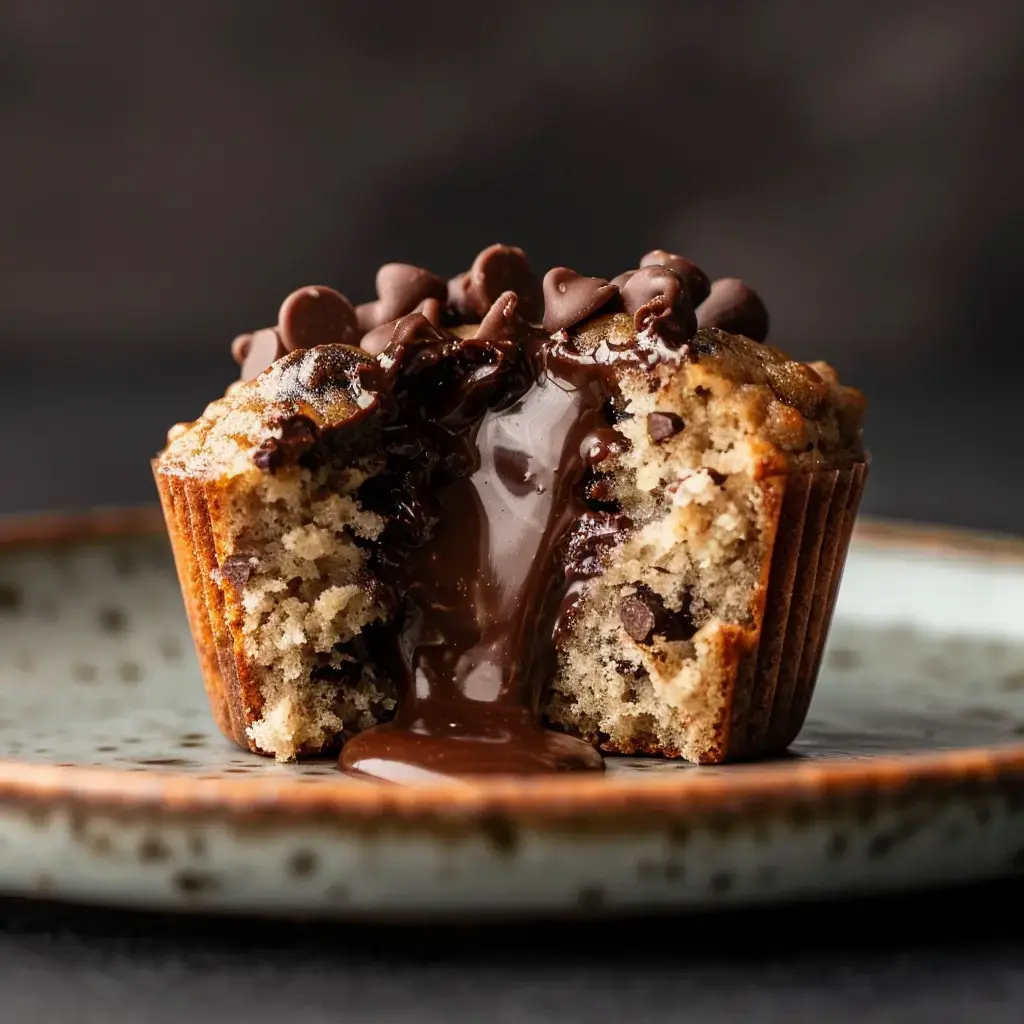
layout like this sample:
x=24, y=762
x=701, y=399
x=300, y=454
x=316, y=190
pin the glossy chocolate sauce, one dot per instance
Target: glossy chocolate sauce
x=494, y=451
x=492, y=480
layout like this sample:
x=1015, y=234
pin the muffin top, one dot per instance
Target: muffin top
x=329, y=365
x=261, y=423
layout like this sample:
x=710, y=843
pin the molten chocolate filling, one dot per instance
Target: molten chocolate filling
x=497, y=515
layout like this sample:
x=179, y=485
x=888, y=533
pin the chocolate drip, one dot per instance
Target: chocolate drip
x=490, y=448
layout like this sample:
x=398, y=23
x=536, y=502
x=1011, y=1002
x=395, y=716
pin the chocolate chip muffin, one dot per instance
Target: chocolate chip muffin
x=516, y=520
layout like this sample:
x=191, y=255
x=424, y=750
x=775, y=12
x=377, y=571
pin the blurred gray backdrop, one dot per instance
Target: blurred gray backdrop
x=169, y=171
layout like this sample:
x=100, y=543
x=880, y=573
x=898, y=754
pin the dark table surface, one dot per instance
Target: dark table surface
x=937, y=957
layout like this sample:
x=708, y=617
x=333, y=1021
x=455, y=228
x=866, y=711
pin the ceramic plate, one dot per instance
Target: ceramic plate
x=115, y=787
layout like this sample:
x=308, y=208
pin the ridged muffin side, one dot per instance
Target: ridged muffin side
x=270, y=541
x=702, y=636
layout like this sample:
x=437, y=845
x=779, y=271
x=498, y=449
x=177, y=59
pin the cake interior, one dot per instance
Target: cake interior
x=307, y=613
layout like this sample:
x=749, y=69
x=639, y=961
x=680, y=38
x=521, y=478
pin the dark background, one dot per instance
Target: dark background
x=170, y=171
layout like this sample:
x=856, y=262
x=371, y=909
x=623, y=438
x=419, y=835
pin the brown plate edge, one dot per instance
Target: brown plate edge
x=559, y=797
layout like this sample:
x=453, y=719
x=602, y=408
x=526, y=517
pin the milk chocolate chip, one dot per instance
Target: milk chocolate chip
x=332, y=367
x=238, y=568
x=264, y=349
x=637, y=617
x=496, y=270
x=663, y=425
x=413, y=328
x=401, y=287
x=502, y=321
x=375, y=341
x=432, y=310
x=735, y=308
x=643, y=615
x=697, y=283
x=240, y=347
x=368, y=316
x=570, y=298
x=316, y=315
x=657, y=299
x=404, y=330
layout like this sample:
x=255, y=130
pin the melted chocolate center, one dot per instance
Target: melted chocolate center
x=483, y=583
x=497, y=516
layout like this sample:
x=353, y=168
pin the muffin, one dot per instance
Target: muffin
x=520, y=519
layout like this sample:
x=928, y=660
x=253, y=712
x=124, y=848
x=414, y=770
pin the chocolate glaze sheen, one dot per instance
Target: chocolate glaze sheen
x=478, y=565
x=497, y=508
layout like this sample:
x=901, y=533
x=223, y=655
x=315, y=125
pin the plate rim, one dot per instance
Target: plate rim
x=680, y=793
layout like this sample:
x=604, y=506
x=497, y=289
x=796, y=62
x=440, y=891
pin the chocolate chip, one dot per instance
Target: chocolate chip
x=643, y=615
x=637, y=618
x=331, y=367
x=734, y=308
x=316, y=315
x=496, y=270
x=240, y=347
x=401, y=287
x=369, y=317
x=265, y=348
x=375, y=341
x=459, y=301
x=432, y=309
x=415, y=327
x=570, y=298
x=586, y=546
x=698, y=285
x=298, y=435
x=656, y=298
x=238, y=568
x=406, y=330
x=663, y=425
x=502, y=321
x=627, y=668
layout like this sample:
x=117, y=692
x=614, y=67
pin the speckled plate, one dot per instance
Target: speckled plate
x=116, y=788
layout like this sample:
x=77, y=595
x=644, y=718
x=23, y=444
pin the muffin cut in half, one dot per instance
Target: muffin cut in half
x=605, y=506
